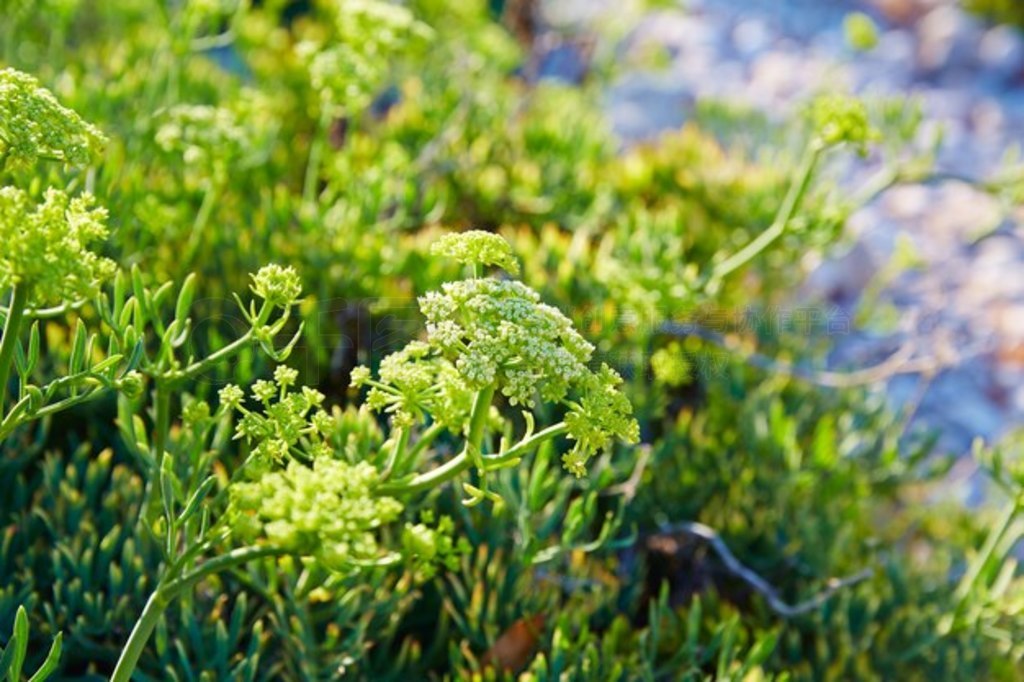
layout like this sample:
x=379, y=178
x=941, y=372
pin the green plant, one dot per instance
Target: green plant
x=12, y=658
x=273, y=521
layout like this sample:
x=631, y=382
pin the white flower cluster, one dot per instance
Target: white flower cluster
x=489, y=334
x=207, y=138
x=499, y=331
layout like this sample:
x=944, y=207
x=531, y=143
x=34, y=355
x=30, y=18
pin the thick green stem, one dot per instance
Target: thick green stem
x=140, y=634
x=401, y=442
x=162, y=421
x=785, y=215
x=19, y=301
x=166, y=593
x=462, y=462
x=425, y=439
x=478, y=420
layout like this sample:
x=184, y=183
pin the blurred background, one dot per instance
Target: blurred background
x=933, y=276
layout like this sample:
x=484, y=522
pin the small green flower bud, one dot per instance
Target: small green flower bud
x=670, y=366
x=131, y=384
x=264, y=391
x=277, y=285
x=839, y=119
x=231, y=397
x=360, y=375
x=285, y=376
x=861, y=31
x=195, y=412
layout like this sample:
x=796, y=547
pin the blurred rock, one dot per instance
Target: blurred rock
x=642, y=106
x=969, y=294
x=1002, y=50
x=948, y=37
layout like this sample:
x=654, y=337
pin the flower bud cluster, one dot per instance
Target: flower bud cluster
x=326, y=510
x=839, y=119
x=47, y=245
x=300, y=495
x=34, y=125
x=427, y=546
x=477, y=247
x=207, y=138
x=415, y=382
x=277, y=285
x=348, y=72
x=487, y=334
x=289, y=419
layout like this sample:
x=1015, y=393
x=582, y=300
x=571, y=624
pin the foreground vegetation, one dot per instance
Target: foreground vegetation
x=336, y=344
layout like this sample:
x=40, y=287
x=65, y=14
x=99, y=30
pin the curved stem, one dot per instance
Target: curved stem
x=401, y=442
x=19, y=300
x=235, y=557
x=210, y=195
x=462, y=462
x=166, y=593
x=787, y=210
x=224, y=353
x=144, y=626
x=425, y=439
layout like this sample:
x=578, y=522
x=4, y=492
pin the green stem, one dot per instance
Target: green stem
x=462, y=462
x=7, y=427
x=140, y=634
x=19, y=301
x=195, y=237
x=162, y=428
x=162, y=421
x=784, y=216
x=224, y=353
x=425, y=439
x=988, y=549
x=166, y=593
x=478, y=420
x=235, y=557
x=401, y=442
x=316, y=151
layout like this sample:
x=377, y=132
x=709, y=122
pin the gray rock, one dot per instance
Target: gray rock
x=947, y=38
x=1002, y=50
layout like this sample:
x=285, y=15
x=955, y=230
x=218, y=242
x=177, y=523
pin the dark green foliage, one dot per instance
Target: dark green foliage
x=223, y=158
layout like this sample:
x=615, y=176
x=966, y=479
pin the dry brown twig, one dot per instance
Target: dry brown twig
x=759, y=584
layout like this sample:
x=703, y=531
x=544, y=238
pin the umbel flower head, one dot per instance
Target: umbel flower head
x=34, y=125
x=348, y=72
x=47, y=245
x=477, y=247
x=417, y=381
x=497, y=336
x=208, y=138
x=839, y=119
x=277, y=285
x=300, y=496
x=326, y=510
